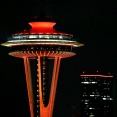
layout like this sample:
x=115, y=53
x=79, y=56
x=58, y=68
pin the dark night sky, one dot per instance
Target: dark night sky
x=92, y=22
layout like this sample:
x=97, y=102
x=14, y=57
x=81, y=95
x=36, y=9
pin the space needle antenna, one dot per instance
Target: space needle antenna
x=42, y=9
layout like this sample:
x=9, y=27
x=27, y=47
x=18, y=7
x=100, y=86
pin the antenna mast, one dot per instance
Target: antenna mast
x=42, y=10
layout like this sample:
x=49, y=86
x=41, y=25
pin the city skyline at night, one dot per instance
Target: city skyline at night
x=96, y=95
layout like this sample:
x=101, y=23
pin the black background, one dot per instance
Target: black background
x=92, y=22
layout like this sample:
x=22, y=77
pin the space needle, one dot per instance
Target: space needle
x=44, y=44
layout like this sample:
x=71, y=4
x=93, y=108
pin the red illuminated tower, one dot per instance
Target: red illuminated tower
x=43, y=43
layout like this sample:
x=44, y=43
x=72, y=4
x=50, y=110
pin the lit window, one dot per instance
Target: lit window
x=107, y=98
x=40, y=36
x=92, y=95
x=94, y=82
x=85, y=82
x=86, y=100
x=45, y=36
x=91, y=115
x=16, y=37
x=110, y=98
x=60, y=37
x=85, y=95
x=33, y=36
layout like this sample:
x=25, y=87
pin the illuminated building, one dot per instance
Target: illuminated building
x=96, y=95
x=42, y=43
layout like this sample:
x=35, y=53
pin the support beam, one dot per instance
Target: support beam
x=29, y=84
x=54, y=83
x=47, y=111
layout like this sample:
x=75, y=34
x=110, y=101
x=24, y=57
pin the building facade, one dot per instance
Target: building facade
x=96, y=95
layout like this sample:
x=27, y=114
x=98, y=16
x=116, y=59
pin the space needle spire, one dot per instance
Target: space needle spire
x=44, y=44
x=42, y=9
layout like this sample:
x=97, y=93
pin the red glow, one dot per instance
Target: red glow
x=42, y=24
x=42, y=27
x=97, y=75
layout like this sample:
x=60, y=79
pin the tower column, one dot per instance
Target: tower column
x=54, y=83
x=29, y=84
x=48, y=110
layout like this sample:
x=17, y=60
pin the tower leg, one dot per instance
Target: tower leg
x=54, y=83
x=29, y=84
x=48, y=110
